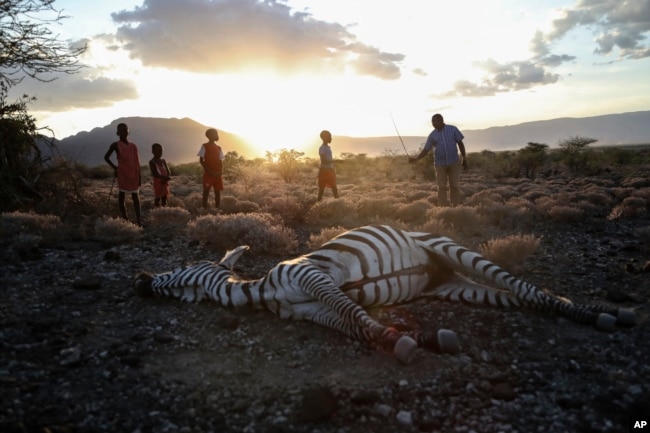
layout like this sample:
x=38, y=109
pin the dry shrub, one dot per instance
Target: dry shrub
x=116, y=231
x=544, y=204
x=251, y=177
x=630, y=207
x=174, y=201
x=461, y=218
x=194, y=202
x=168, y=220
x=230, y=204
x=414, y=213
x=566, y=214
x=434, y=226
x=287, y=207
x=418, y=195
x=510, y=252
x=369, y=208
x=596, y=198
x=41, y=228
x=643, y=193
x=264, y=233
x=587, y=206
x=325, y=235
x=622, y=193
x=637, y=182
x=485, y=197
x=504, y=215
x=332, y=212
x=534, y=194
x=505, y=192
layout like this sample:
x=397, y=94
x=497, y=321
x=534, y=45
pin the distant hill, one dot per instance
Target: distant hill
x=181, y=138
x=610, y=129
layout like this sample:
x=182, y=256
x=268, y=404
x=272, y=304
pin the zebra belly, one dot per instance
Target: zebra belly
x=387, y=290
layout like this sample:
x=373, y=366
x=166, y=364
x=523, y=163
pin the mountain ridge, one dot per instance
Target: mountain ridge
x=182, y=138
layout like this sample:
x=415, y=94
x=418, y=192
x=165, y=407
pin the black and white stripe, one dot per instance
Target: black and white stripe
x=368, y=266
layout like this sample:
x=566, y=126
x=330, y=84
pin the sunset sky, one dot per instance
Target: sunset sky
x=278, y=72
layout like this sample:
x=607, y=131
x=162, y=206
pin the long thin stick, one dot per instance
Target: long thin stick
x=398, y=134
x=110, y=194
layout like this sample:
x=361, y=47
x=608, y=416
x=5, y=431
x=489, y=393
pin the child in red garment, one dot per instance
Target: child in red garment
x=211, y=158
x=161, y=175
x=127, y=170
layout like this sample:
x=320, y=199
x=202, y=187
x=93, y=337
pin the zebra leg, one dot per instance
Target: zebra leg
x=402, y=344
x=467, y=291
x=462, y=289
x=461, y=259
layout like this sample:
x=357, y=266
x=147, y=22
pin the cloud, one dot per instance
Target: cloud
x=233, y=35
x=619, y=27
x=81, y=90
x=503, y=77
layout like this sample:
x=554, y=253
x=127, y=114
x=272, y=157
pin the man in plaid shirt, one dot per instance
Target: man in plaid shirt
x=443, y=140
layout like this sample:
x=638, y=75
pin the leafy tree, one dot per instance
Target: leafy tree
x=531, y=158
x=575, y=152
x=285, y=163
x=352, y=165
x=28, y=48
x=232, y=166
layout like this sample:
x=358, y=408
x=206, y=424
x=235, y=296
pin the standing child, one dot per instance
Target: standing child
x=161, y=175
x=326, y=173
x=211, y=158
x=127, y=170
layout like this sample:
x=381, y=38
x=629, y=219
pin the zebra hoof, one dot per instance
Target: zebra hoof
x=405, y=349
x=142, y=285
x=626, y=317
x=606, y=322
x=448, y=341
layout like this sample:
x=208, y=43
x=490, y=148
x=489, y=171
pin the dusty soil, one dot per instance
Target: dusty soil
x=81, y=353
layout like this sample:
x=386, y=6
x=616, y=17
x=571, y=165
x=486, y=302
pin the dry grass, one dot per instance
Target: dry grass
x=263, y=233
x=325, y=235
x=371, y=207
x=631, y=207
x=168, y=221
x=566, y=214
x=30, y=228
x=332, y=212
x=491, y=208
x=414, y=213
x=116, y=231
x=510, y=252
x=287, y=207
x=461, y=218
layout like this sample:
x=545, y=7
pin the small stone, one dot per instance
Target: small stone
x=70, y=356
x=383, y=409
x=404, y=417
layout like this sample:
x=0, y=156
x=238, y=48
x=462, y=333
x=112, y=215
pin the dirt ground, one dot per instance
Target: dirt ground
x=81, y=353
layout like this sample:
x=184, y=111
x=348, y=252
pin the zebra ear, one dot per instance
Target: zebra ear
x=232, y=256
